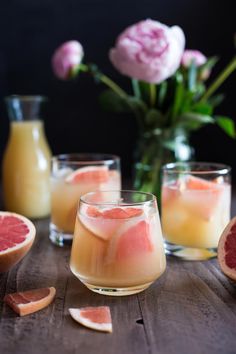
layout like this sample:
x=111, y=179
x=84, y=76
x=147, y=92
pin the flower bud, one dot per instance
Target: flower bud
x=66, y=58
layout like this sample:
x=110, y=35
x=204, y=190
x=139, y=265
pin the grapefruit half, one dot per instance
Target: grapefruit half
x=227, y=250
x=30, y=301
x=98, y=318
x=17, y=235
x=89, y=174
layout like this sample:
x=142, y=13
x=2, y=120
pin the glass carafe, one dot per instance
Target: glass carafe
x=26, y=161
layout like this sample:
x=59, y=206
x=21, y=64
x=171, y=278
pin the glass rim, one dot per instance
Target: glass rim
x=219, y=168
x=77, y=158
x=153, y=198
x=26, y=98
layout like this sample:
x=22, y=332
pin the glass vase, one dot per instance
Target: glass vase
x=154, y=149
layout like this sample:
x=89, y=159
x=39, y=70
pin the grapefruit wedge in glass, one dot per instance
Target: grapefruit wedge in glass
x=17, y=235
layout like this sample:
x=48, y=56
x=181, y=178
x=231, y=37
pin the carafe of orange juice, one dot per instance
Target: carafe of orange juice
x=26, y=161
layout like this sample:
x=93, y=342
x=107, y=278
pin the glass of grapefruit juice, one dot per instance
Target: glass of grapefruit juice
x=72, y=176
x=117, y=246
x=196, y=200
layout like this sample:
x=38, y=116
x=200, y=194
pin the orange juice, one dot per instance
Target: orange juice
x=26, y=170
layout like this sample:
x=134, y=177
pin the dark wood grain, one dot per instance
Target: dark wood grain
x=191, y=309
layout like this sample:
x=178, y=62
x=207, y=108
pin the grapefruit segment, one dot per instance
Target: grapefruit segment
x=89, y=174
x=134, y=242
x=227, y=250
x=98, y=318
x=30, y=301
x=122, y=213
x=17, y=234
x=104, y=224
x=201, y=195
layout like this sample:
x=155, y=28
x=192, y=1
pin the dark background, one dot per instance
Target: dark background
x=30, y=30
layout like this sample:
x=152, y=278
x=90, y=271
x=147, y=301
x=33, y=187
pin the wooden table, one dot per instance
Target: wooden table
x=191, y=309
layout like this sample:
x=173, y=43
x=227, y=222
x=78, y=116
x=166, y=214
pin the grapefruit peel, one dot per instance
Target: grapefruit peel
x=227, y=250
x=17, y=234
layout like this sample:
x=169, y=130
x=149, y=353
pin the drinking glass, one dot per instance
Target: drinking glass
x=117, y=247
x=73, y=175
x=195, y=209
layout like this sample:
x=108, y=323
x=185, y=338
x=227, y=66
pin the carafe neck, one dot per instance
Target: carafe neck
x=24, y=108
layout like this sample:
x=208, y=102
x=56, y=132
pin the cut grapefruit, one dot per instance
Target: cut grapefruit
x=17, y=234
x=98, y=318
x=89, y=174
x=104, y=223
x=227, y=250
x=30, y=301
x=134, y=242
x=201, y=195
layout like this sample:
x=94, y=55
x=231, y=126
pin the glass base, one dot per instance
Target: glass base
x=112, y=291
x=58, y=237
x=189, y=253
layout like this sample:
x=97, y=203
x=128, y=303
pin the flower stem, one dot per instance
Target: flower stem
x=220, y=79
x=136, y=88
x=103, y=78
x=116, y=88
x=83, y=67
x=153, y=94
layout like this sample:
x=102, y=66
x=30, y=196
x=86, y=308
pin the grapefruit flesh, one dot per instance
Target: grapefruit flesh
x=227, y=250
x=105, y=223
x=201, y=195
x=30, y=301
x=89, y=174
x=134, y=242
x=98, y=318
x=17, y=234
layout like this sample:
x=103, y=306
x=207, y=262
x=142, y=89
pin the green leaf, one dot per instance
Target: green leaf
x=136, y=104
x=144, y=90
x=216, y=100
x=193, y=121
x=203, y=108
x=110, y=101
x=227, y=124
x=162, y=90
x=178, y=95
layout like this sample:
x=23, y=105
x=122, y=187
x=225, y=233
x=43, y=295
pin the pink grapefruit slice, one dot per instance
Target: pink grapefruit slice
x=134, y=242
x=202, y=195
x=89, y=174
x=30, y=301
x=98, y=318
x=227, y=250
x=105, y=223
x=17, y=235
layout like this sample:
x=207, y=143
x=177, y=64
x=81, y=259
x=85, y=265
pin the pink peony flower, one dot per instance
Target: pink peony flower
x=193, y=55
x=148, y=51
x=66, y=57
